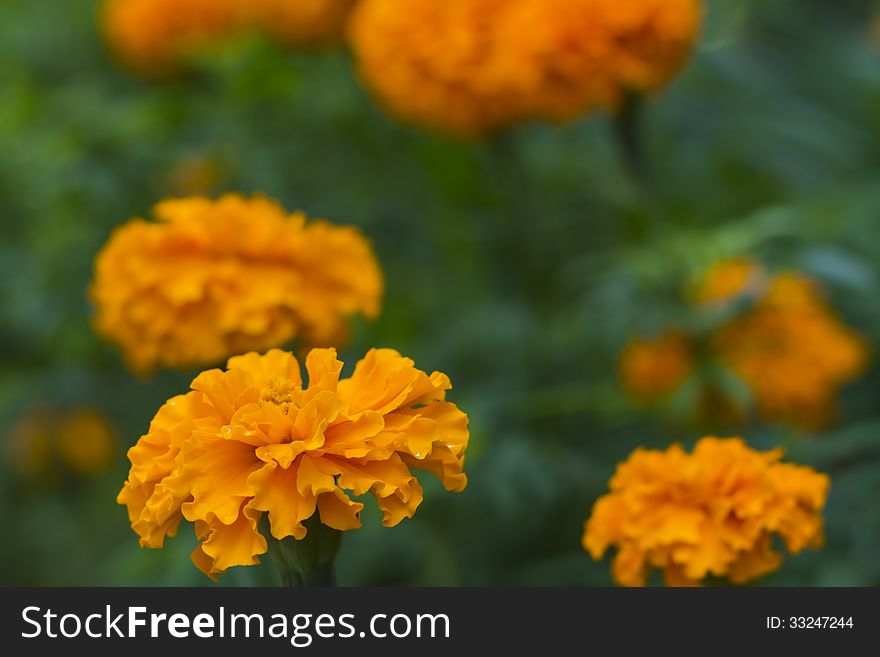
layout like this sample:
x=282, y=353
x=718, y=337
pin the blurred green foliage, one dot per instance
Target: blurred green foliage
x=520, y=267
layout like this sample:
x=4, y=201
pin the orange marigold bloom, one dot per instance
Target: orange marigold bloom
x=87, y=442
x=786, y=345
x=155, y=36
x=710, y=513
x=256, y=439
x=195, y=174
x=30, y=443
x=302, y=22
x=653, y=369
x=209, y=279
x=473, y=66
x=729, y=279
x=45, y=440
x=792, y=352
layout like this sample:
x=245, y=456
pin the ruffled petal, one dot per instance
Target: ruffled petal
x=323, y=368
x=215, y=473
x=276, y=492
x=274, y=364
x=228, y=545
x=339, y=511
x=381, y=382
x=390, y=481
x=358, y=437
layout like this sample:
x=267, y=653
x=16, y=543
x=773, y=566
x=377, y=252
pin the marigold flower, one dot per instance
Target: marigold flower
x=474, y=66
x=195, y=174
x=710, y=513
x=87, y=442
x=29, y=444
x=156, y=36
x=153, y=36
x=728, y=279
x=792, y=352
x=45, y=440
x=786, y=345
x=256, y=439
x=653, y=369
x=302, y=22
x=209, y=279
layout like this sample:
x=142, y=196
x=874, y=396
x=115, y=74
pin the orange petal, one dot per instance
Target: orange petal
x=323, y=368
x=311, y=480
x=275, y=363
x=275, y=490
x=356, y=438
x=215, y=472
x=236, y=544
x=339, y=511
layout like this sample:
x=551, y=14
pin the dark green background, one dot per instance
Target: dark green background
x=519, y=267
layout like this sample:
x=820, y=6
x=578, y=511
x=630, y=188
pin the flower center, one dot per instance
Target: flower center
x=278, y=391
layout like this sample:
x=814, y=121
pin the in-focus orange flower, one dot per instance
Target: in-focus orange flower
x=653, y=369
x=256, y=439
x=157, y=36
x=713, y=513
x=213, y=278
x=470, y=67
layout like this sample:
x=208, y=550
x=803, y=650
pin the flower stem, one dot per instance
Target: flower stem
x=515, y=233
x=628, y=131
x=310, y=561
x=629, y=134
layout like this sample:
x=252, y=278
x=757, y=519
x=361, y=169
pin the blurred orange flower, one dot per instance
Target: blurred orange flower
x=86, y=442
x=153, y=36
x=787, y=347
x=470, y=67
x=195, y=174
x=710, y=513
x=727, y=280
x=302, y=22
x=653, y=369
x=792, y=352
x=213, y=278
x=156, y=36
x=80, y=441
x=30, y=443
x=256, y=439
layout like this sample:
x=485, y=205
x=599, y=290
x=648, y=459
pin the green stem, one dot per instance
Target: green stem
x=310, y=561
x=515, y=235
x=628, y=131
x=628, y=124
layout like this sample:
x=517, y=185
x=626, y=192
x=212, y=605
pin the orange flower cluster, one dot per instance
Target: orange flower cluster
x=470, y=67
x=653, y=369
x=792, y=352
x=210, y=279
x=710, y=513
x=255, y=439
x=302, y=22
x=46, y=440
x=788, y=347
x=156, y=36
x=728, y=280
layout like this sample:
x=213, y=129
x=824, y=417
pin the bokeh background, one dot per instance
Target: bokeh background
x=520, y=266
